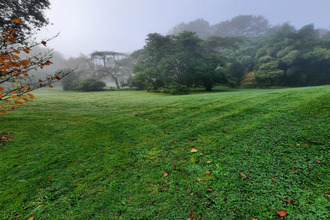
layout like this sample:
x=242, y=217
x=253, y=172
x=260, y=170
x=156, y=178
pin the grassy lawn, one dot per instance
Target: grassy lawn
x=127, y=155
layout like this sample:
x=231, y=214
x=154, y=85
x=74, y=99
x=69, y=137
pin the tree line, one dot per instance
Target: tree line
x=242, y=52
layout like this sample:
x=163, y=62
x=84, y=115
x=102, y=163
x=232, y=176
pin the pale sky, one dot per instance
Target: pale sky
x=86, y=26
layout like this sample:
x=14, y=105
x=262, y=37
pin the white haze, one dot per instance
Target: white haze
x=122, y=25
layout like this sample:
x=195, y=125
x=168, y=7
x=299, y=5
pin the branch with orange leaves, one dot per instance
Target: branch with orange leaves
x=15, y=64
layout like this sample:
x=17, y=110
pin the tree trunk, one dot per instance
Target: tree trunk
x=117, y=83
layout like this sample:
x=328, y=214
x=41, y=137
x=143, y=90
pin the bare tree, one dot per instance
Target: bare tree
x=109, y=62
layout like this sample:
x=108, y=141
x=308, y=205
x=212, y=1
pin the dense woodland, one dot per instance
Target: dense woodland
x=245, y=51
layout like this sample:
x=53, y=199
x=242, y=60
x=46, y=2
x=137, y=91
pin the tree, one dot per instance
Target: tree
x=242, y=25
x=16, y=63
x=110, y=63
x=30, y=12
x=176, y=62
x=201, y=27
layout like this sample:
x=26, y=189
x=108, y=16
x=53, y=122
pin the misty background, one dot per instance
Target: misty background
x=99, y=25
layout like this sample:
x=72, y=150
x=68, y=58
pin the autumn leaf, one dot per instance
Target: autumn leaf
x=318, y=161
x=193, y=150
x=27, y=50
x=253, y=218
x=207, y=173
x=242, y=175
x=31, y=96
x=1, y=88
x=17, y=20
x=44, y=43
x=31, y=218
x=50, y=86
x=165, y=174
x=1, y=95
x=208, y=161
x=274, y=179
x=58, y=78
x=4, y=112
x=26, y=88
x=282, y=213
x=18, y=103
x=286, y=200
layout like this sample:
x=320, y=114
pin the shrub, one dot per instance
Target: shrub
x=88, y=85
x=175, y=89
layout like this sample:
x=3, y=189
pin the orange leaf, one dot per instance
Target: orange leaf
x=253, y=218
x=31, y=96
x=1, y=95
x=17, y=20
x=274, y=179
x=27, y=100
x=4, y=112
x=26, y=50
x=18, y=103
x=31, y=218
x=47, y=63
x=282, y=213
x=44, y=43
x=207, y=173
x=14, y=92
x=1, y=88
x=58, y=78
x=50, y=86
x=7, y=101
x=318, y=161
x=208, y=161
x=26, y=88
x=16, y=51
x=165, y=174
x=25, y=62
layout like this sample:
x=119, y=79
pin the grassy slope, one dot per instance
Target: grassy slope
x=103, y=155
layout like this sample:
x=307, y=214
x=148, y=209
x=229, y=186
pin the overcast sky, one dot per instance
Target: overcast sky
x=122, y=25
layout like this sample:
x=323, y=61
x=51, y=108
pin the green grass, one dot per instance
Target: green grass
x=103, y=155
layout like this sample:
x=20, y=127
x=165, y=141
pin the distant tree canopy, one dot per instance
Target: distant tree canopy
x=176, y=61
x=245, y=51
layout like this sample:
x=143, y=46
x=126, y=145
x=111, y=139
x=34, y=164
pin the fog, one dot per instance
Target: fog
x=99, y=25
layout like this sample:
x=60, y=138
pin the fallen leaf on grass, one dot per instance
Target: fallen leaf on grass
x=208, y=162
x=293, y=169
x=327, y=196
x=242, y=175
x=286, y=200
x=207, y=173
x=193, y=150
x=318, y=161
x=31, y=218
x=165, y=174
x=282, y=213
x=274, y=179
x=253, y=218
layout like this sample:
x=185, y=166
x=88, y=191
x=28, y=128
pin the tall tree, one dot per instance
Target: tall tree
x=110, y=63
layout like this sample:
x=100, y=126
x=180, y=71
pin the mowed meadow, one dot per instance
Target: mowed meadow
x=229, y=154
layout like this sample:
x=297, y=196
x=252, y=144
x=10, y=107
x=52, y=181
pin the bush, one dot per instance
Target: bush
x=88, y=85
x=175, y=89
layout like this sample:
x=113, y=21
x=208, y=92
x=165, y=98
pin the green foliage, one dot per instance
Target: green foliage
x=88, y=85
x=268, y=74
x=175, y=89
